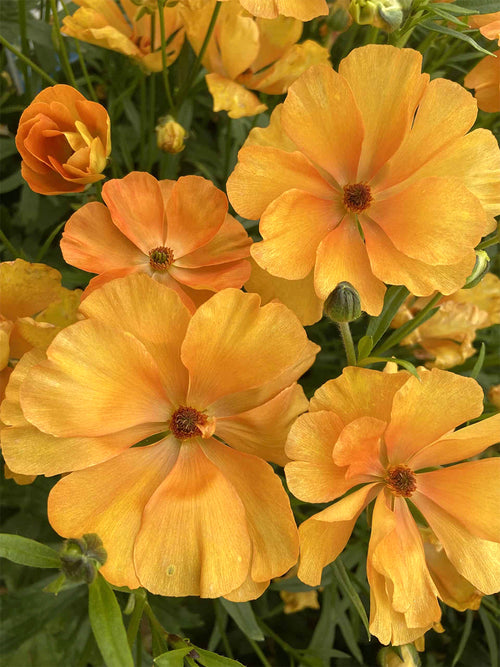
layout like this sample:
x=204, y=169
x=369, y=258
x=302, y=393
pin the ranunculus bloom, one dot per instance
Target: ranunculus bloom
x=446, y=339
x=64, y=140
x=369, y=176
x=304, y=10
x=250, y=53
x=485, y=79
x=179, y=232
x=199, y=512
x=101, y=22
x=494, y=395
x=379, y=432
x=488, y=24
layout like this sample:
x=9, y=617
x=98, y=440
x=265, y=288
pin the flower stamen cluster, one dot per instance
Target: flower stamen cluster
x=401, y=481
x=161, y=258
x=185, y=421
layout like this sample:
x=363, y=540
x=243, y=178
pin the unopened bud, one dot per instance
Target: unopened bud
x=480, y=268
x=81, y=558
x=384, y=14
x=343, y=304
x=170, y=135
x=399, y=656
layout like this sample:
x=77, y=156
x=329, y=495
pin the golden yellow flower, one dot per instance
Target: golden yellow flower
x=304, y=10
x=494, y=395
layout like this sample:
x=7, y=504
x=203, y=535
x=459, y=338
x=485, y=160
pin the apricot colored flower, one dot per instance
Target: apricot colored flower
x=494, y=395
x=199, y=512
x=377, y=433
x=304, y=10
x=178, y=232
x=102, y=22
x=369, y=176
x=488, y=25
x=64, y=140
x=485, y=79
x=247, y=53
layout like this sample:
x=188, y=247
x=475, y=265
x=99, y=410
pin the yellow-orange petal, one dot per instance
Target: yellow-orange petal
x=27, y=288
x=193, y=538
x=358, y=448
x=238, y=41
x=388, y=117
x=138, y=304
x=233, y=97
x=305, y=10
x=485, y=79
x=250, y=189
x=263, y=430
x=324, y=535
x=269, y=518
x=424, y=410
x=249, y=590
x=92, y=242
x=239, y=354
x=215, y=278
x=109, y=499
x=87, y=376
x=331, y=140
x=289, y=251
x=136, y=207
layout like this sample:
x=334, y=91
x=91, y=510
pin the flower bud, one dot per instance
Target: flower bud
x=388, y=657
x=343, y=304
x=170, y=135
x=81, y=558
x=480, y=268
x=384, y=14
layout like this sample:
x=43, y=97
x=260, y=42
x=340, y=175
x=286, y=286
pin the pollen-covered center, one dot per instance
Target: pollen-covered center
x=161, y=258
x=401, y=480
x=357, y=197
x=185, y=421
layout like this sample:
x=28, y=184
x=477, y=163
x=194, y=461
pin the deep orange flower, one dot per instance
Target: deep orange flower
x=379, y=432
x=102, y=22
x=179, y=232
x=488, y=25
x=199, y=512
x=368, y=176
x=485, y=79
x=64, y=141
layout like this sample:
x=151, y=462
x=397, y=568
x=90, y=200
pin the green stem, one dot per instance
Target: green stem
x=219, y=618
x=345, y=332
x=82, y=62
x=257, y=651
x=62, y=46
x=166, y=80
x=135, y=619
x=48, y=242
x=489, y=242
x=24, y=45
x=144, y=122
x=9, y=245
x=28, y=61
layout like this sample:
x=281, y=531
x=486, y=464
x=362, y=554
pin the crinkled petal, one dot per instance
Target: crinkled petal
x=27, y=288
x=233, y=97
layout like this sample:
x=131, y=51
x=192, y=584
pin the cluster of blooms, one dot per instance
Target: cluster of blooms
x=163, y=391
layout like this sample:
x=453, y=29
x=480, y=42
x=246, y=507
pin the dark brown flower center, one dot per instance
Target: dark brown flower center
x=401, y=480
x=161, y=258
x=357, y=197
x=185, y=421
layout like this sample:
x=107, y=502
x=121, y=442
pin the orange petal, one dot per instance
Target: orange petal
x=359, y=448
x=87, y=376
x=92, y=242
x=108, y=276
x=215, y=277
x=48, y=184
x=250, y=188
x=136, y=207
x=424, y=410
x=331, y=140
x=485, y=79
x=238, y=42
x=324, y=536
x=289, y=251
x=233, y=97
x=194, y=538
x=249, y=590
x=269, y=518
x=141, y=306
x=341, y=257
x=27, y=288
x=305, y=10
x=109, y=499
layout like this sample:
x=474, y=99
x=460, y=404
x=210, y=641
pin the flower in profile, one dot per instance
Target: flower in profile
x=199, y=512
x=247, y=53
x=179, y=232
x=445, y=340
x=378, y=433
x=102, y=22
x=64, y=141
x=485, y=79
x=388, y=189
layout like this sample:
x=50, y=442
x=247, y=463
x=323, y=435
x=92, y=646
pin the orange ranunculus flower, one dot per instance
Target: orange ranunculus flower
x=245, y=53
x=64, y=140
x=304, y=10
x=494, y=395
x=199, y=512
x=379, y=432
x=102, y=22
x=179, y=232
x=369, y=176
x=488, y=25
x=485, y=79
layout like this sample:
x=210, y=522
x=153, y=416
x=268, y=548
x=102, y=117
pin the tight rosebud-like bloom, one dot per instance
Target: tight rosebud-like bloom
x=178, y=232
x=64, y=140
x=369, y=176
x=170, y=135
x=199, y=512
x=343, y=304
x=485, y=79
x=379, y=433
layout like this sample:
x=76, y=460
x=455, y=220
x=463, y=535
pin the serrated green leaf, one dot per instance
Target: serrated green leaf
x=436, y=27
x=173, y=658
x=107, y=624
x=24, y=551
x=209, y=659
x=242, y=614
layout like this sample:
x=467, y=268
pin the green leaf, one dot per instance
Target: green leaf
x=394, y=298
x=436, y=27
x=469, y=617
x=479, y=362
x=324, y=632
x=491, y=637
x=28, y=552
x=209, y=659
x=365, y=346
x=349, y=636
x=10, y=183
x=481, y=6
x=107, y=624
x=242, y=614
x=451, y=7
x=173, y=658
x=407, y=365
x=344, y=580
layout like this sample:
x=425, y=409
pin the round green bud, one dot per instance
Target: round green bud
x=81, y=558
x=343, y=304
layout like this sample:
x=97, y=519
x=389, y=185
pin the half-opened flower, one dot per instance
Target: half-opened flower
x=64, y=140
x=485, y=79
x=178, y=232
x=199, y=512
x=368, y=176
x=376, y=435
